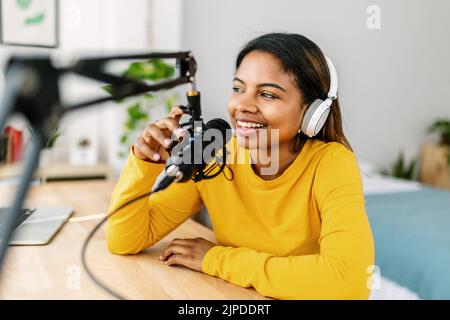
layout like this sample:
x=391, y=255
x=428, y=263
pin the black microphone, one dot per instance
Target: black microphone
x=190, y=157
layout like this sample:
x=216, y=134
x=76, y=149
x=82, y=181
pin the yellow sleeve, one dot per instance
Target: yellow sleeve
x=339, y=271
x=146, y=221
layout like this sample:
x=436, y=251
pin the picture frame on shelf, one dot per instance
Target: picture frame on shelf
x=32, y=23
x=84, y=150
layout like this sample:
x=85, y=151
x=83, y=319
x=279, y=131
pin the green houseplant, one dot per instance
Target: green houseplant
x=54, y=135
x=52, y=140
x=46, y=156
x=138, y=109
x=442, y=127
x=401, y=169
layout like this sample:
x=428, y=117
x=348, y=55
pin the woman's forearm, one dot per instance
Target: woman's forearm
x=127, y=230
x=143, y=223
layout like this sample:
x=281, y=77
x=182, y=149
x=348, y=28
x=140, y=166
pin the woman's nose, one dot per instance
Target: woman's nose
x=246, y=105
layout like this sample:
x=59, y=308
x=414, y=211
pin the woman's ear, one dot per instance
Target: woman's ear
x=302, y=113
x=303, y=110
x=304, y=106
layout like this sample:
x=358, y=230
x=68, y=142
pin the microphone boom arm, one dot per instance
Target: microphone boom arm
x=124, y=87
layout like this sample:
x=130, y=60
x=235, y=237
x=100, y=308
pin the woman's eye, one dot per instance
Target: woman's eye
x=237, y=90
x=268, y=95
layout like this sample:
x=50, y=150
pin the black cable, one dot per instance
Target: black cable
x=91, y=235
x=231, y=171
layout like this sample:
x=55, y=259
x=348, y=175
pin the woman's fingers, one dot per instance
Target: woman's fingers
x=162, y=131
x=183, y=242
x=153, y=132
x=181, y=260
x=174, y=249
x=173, y=125
x=187, y=252
x=176, y=113
x=142, y=150
x=157, y=137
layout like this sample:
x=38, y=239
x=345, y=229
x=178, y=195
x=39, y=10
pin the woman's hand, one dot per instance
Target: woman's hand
x=156, y=135
x=187, y=252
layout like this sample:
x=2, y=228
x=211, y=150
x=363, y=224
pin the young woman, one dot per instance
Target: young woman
x=298, y=232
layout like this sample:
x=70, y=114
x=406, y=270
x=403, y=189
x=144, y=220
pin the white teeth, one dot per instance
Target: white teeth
x=249, y=124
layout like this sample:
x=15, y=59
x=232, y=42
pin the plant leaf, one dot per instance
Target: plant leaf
x=440, y=125
x=135, y=111
x=110, y=89
x=153, y=70
x=124, y=138
x=149, y=96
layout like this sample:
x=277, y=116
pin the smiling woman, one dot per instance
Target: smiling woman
x=300, y=232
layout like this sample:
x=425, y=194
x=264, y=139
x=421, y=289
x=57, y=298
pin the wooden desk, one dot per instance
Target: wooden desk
x=54, y=271
x=59, y=172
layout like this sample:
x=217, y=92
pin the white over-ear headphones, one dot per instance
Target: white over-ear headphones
x=317, y=112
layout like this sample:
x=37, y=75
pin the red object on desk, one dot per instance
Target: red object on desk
x=15, y=143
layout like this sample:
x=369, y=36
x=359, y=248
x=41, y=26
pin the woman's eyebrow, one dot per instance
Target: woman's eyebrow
x=273, y=85
x=239, y=80
x=267, y=84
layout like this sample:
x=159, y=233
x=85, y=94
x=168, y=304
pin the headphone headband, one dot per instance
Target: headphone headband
x=332, y=93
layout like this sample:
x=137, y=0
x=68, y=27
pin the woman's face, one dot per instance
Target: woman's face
x=264, y=98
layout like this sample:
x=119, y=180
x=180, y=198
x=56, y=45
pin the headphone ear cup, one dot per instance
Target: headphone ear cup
x=322, y=120
x=308, y=115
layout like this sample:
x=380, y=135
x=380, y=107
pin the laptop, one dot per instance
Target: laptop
x=36, y=226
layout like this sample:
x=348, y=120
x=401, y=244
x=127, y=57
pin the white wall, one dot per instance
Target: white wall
x=393, y=81
x=105, y=27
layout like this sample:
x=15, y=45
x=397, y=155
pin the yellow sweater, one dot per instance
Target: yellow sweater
x=303, y=235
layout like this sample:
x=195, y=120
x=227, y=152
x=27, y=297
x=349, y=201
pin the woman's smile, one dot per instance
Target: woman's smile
x=248, y=127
